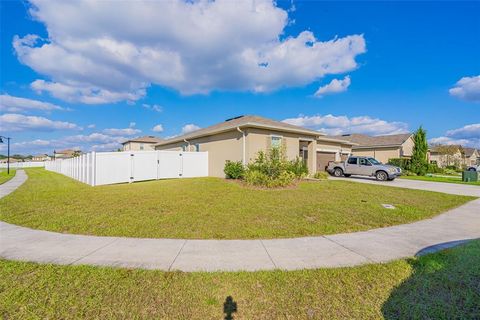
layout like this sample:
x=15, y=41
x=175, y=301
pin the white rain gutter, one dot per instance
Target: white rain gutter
x=244, y=161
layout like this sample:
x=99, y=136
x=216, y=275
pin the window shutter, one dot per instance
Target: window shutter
x=284, y=145
x=269, y=142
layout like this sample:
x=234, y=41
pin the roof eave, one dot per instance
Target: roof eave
x=248, y=124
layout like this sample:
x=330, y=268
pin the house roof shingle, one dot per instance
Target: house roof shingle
x=364, y=141
x=145, y=139
x=468, y=151
x=243, y=121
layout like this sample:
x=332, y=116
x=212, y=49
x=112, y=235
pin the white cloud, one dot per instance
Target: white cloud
x=467, y=88
x=10, y=103
x=335, y=86
x=130, y=131
x=468, y=135
x=337, y=125
x=158, y=128
x=154, y=107
x=77, y=92
x=19, y=122
x=93, y=56
x=189, y=128
x=92, y=142
x=91, y=126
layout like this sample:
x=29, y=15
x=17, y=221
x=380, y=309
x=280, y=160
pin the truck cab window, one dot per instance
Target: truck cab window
x=352, y=160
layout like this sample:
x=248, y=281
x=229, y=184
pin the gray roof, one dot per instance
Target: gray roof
x=145, y=139
x=365, y=141
x=468, y=151
x=243, y=121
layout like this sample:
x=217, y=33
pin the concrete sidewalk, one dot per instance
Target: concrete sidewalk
x=378, y=245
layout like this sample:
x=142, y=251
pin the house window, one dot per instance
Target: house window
x=184, y=147
x=276, y=142
x=197, y=147
x=141, y=146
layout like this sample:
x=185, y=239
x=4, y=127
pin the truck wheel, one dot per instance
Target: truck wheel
x=347, y=175
x=338, y=172
x=381, y=175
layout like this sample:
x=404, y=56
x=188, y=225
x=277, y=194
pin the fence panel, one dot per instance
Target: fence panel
x=100, y=168
x=29, y=164
x=112, y=167
x=195, y=164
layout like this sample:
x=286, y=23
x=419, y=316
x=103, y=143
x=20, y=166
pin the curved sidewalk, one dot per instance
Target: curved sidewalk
x=377, y=245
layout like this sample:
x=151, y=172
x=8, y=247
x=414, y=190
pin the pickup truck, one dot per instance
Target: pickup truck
x=363, y=166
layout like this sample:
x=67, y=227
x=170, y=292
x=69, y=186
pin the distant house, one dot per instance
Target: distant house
x=446, y=155
x=141, y=143
x=66, y=154
x=471, y=156
x=41, y=157
x=382, y=148
x=241, y=138
x=12, y=160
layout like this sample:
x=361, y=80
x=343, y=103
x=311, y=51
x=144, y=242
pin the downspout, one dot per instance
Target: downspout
x=244, y=161
x=188, y=143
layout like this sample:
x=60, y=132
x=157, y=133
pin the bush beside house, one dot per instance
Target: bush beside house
x=269, y=169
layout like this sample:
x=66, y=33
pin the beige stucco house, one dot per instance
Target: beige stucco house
x=241, y=138
x=41, y=157
x=382, y=148
x=471, y=156
x=66, y=154
x=454, y=155
x=141, y=143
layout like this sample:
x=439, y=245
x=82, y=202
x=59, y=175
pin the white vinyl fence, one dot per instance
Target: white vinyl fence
x=99, y=168
x=29, y=164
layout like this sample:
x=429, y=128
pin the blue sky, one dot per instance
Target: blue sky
x=90, y=75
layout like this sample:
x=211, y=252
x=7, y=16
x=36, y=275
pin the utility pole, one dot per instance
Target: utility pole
x=8, y=152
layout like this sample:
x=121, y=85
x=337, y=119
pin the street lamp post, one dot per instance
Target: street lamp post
x=8, y=151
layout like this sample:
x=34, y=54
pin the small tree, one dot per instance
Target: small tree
x=419, y=162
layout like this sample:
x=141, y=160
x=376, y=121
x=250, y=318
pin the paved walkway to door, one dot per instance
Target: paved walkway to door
x=377, y=245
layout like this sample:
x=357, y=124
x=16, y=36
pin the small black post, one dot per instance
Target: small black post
x=8, y=151
x=8, y=156
x=229, y=308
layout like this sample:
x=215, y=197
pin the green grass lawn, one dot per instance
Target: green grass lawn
x=4, y=177
x=453, y=179
x=213, y=208
x=444, y=285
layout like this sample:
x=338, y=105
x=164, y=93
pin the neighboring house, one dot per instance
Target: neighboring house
x=382, y=148
x=41, y=157
x=66, y=154
x=446, y=155
x=454, y=155
x=241, y=138
x=141, y=143
x=471, y=156
x=12, y=160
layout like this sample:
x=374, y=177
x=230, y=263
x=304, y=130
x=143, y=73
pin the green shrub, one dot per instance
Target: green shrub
x=234, y=170
x=403, y=163
x=448, y=171
x=322, y=175
x=260, y=179
x=433, y=168
x=272, y=169
x=408, y=173
x=298, y=167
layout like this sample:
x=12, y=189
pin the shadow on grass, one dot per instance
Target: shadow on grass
x=443, y=285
